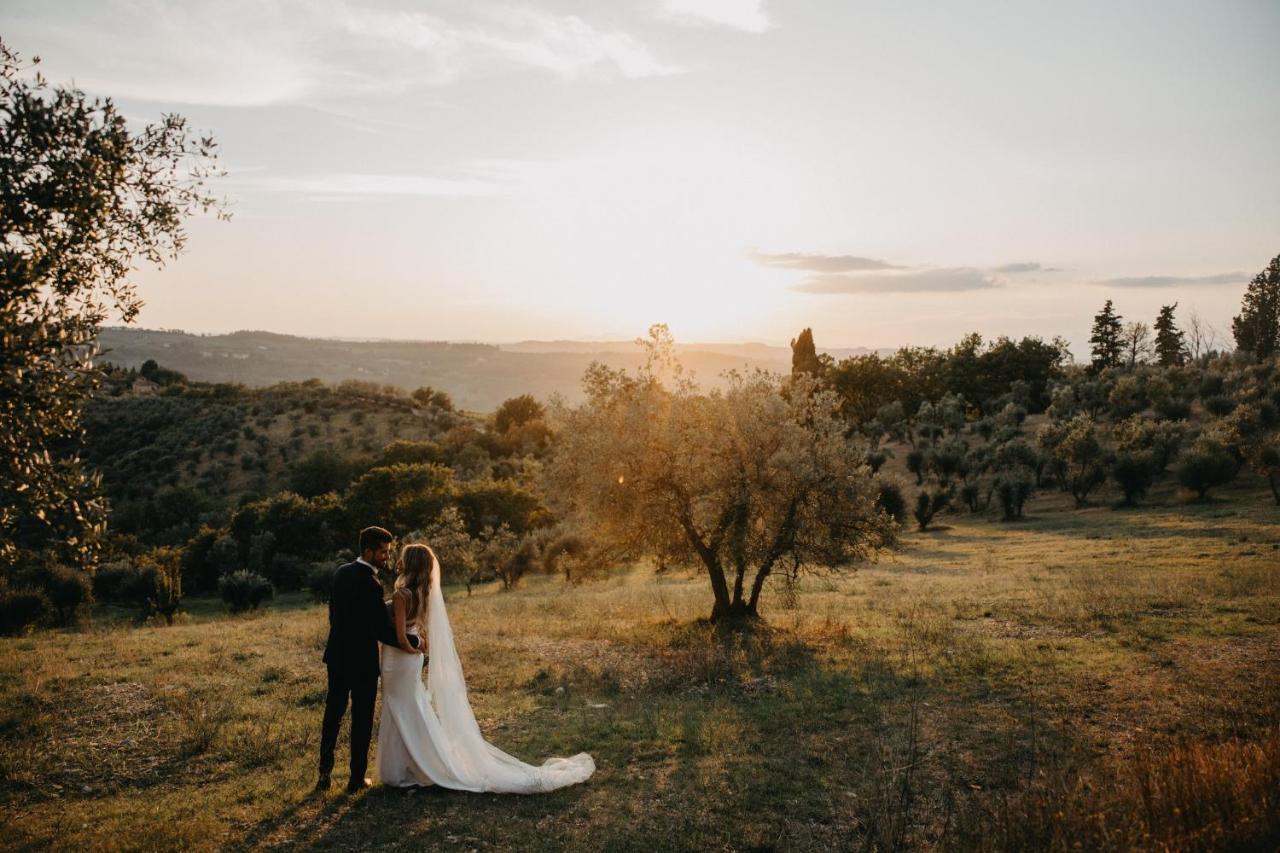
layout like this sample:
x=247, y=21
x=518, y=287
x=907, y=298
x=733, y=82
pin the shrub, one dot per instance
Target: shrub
x=320, y=581
x=1174, y=409
x=1159, y=439
x=164, y=565
x=509, y=556
x=126, y=584
x=68, y=591
x=891, y=500
x=20, y=609
x=1013, y=489
x=242, y=591
x=406, y=452
x=1219, y=405
x=915, y=464
x=1268, y=461
x=929, y=504
x=1077, y=455
x=971, y=496
x=1211, y=385
x=947, y=461
x=876, y=460
x=566, y=554
x=287, y=572
x=1134, y=472
x=1205, y=465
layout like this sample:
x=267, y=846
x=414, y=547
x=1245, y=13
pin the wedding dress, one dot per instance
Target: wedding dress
x=428, y=735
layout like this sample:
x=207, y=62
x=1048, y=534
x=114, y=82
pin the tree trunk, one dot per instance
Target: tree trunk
x=784, y=540
x=720, y=589
x=735, y=614
x=1274, y=480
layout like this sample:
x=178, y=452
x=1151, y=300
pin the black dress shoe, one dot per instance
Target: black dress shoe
x=359, y=785
x=324, y=783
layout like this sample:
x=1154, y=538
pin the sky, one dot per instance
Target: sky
x=887, y=173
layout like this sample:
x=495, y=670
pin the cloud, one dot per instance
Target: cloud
x=916, y=281
x=747, y=15
x=354, y=184
x=471, y=179
x=1175, y=280
x=259, y=52
x=820, y=263
x=1021, y=267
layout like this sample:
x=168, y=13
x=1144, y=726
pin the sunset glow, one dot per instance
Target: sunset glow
x=562, y=170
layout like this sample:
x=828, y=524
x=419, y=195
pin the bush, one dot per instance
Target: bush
x=915, y=464
x=320, y=582
x=971, y=496
x=20, y=609
x=1077, y=455
x=1013, y=490
x=287, y=572
x=1160, y=440
x=1134, y=472
x=164, y=567
x=876, y=460
x=1219, y=405
x=1174, y=409
x=891, y=500
x=1205, y=465
x=566, y=554
x=68, y=591
x=242, y=591
x=929, y=504
x=124, y=583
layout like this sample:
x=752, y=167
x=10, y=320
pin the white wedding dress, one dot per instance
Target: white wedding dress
x=428, y=735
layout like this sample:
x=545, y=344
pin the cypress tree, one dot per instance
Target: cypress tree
x=1105, y=343
x=1171, y=349
x=804, y=355
x=1257, y=327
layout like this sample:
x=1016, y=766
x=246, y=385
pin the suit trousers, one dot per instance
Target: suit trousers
x=362, y=691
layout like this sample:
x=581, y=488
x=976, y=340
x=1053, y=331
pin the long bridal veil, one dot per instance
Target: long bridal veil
x=477, y=764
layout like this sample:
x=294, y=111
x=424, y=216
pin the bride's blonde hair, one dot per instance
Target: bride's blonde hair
x=416, y=560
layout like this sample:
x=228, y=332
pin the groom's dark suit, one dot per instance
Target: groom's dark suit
x=358, y=621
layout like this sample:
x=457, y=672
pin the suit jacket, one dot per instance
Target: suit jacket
x=358, y=621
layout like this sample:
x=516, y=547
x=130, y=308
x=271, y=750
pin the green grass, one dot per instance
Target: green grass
x=1101, y=677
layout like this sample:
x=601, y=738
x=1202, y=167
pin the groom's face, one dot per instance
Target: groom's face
x=378, y=556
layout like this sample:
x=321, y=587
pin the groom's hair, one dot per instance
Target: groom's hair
x=372, y=537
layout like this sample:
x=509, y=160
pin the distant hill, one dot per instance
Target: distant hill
x=477, y=376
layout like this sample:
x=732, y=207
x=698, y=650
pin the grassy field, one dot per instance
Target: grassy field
x=1095, y=677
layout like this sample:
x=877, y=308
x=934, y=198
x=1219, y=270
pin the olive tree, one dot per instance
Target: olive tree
x=83, y=200
x=1077, y=454
x=756, y=478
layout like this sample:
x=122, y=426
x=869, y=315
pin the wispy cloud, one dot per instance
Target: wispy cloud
x=916, y=281
x=748, y=15
x=355, y=184
x=1024, y=266
x=256, y=52
x=472, y=179
x=820, y=263
x=1175, y=280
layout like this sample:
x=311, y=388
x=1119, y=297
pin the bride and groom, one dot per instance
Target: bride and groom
x=427, y=733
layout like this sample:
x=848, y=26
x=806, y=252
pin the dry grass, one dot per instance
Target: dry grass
x=1092, y=678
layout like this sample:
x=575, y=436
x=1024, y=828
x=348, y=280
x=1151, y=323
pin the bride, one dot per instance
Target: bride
x=428, y=735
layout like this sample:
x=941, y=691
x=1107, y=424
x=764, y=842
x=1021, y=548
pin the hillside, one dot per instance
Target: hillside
x=172, y=457
x=478, y=376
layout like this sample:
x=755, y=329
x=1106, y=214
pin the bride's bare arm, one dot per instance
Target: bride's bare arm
x=400, y=608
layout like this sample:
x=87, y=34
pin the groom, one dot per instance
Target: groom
x=358, y=620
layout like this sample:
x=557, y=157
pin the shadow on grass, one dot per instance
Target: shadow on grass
x=750, y=740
